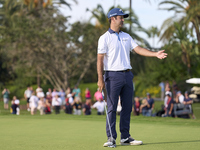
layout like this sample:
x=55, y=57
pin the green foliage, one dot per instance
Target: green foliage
x=33, y=43
x=17, y=91
x=141, y=89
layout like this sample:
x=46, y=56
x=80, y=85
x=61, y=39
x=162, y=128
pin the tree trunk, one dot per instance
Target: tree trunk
x=85, y=70
x=186, y=59
x=38, y=78
x=197, y=32
x=130, y=10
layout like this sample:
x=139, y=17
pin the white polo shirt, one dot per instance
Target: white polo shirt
x=181, y=98
x=117, y=48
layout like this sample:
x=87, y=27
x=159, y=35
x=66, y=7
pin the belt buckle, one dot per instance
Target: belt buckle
x=127, y=70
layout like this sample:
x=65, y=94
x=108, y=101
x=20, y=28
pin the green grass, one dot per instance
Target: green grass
x=66, y=132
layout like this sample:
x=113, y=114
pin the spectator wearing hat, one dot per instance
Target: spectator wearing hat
x=167, y=91
x=148, y=106
x=98, y=95
x=169, y=106
x=188, y=103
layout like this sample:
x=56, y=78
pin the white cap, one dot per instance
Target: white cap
x=69, y=95
x=168, y=92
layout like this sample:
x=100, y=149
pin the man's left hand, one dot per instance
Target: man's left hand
x=161, y=54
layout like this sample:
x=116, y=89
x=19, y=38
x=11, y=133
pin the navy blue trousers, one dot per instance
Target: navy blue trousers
x=117, y=84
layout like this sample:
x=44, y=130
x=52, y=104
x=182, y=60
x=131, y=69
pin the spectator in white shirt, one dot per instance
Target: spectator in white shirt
x=40, y=93
x=27, y=95
x=99, y=105
x=38, y=89
x=179, y=97
x=54, y=93
x=41, y=105
x=33, y=103
x=56, y=103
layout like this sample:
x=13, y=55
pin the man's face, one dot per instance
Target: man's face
x=119, y=20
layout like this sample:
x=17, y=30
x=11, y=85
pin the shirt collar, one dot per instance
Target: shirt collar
x=111, y=31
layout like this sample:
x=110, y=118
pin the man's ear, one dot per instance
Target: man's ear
x=113, y=18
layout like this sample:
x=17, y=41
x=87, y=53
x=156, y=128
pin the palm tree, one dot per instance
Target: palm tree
x=180, y=37
x=100, y=16
x=153, y=32
x=102, y=22
x=187, y=13
x=45, y=3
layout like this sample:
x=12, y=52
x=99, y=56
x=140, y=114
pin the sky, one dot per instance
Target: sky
x=148, y=13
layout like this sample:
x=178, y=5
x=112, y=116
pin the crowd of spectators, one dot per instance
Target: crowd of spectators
x=175, y=103
x=70, y=102
x=54, y=101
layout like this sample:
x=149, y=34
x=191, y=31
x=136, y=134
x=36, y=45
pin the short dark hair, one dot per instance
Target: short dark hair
x=110, y=19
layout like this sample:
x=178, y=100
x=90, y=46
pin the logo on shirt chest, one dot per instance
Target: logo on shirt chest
x=124, y=39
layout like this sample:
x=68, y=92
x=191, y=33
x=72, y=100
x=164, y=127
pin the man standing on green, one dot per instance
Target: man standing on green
x=113, y=57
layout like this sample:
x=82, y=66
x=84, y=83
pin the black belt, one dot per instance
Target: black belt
x=127, y=70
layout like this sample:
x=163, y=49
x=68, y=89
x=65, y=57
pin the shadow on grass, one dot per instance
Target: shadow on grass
x=193, y=141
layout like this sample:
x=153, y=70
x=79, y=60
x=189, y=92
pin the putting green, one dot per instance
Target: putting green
x=66, y=132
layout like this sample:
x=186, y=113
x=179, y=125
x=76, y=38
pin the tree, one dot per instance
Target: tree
x=153, y=32
x=100, y=16
x=186, y=13
x=43, y=45
x=187, y=44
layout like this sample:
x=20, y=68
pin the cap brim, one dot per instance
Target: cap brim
x=126, y=15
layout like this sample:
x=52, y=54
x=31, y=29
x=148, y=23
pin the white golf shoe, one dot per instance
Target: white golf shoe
x=130, y=141
x=110, y=143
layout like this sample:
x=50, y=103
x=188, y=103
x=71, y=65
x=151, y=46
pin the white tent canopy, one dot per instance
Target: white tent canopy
x=193, y=81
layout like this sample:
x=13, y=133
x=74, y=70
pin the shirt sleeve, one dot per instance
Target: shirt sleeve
x=102, y=45
x=95, y=105
x=133, y=44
